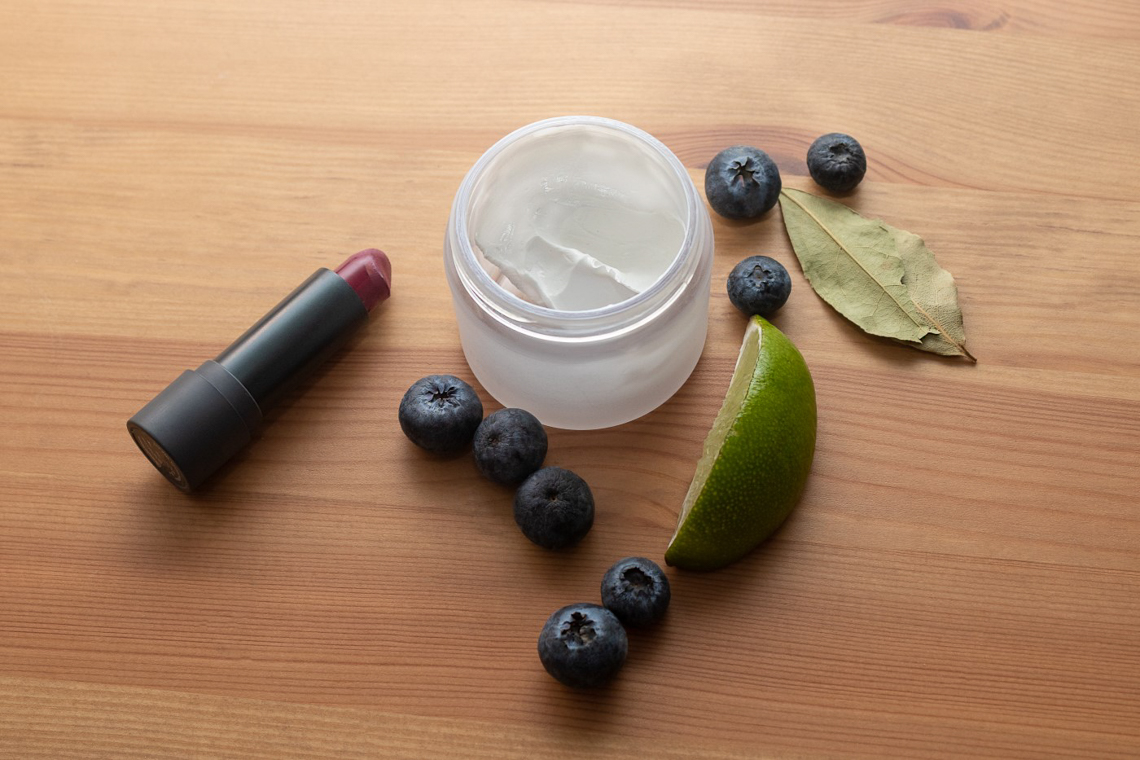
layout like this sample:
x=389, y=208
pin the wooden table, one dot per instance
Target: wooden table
x=960, y=579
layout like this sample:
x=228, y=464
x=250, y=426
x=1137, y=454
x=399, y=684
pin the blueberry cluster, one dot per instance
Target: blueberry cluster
x=585, y=645
x=743, y=182
x=553, y=507
x=581, y=644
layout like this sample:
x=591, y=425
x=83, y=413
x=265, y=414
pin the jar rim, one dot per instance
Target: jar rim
x=505, y=300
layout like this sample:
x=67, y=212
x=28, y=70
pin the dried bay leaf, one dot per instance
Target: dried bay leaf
x=883, y=279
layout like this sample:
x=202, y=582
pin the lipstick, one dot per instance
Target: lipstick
x=209, y=414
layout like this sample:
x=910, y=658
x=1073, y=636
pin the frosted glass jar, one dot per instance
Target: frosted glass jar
x=581, y=369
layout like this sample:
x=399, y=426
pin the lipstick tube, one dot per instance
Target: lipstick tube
x=207, y=415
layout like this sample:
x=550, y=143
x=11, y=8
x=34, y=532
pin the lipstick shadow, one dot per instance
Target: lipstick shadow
x=207, y=415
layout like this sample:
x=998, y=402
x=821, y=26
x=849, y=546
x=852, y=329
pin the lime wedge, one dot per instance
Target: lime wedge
x=756, y=458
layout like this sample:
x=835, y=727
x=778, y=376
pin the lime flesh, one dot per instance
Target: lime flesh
x=756, y=458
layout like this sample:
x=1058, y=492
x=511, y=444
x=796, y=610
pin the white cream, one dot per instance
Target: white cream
x=578, y=217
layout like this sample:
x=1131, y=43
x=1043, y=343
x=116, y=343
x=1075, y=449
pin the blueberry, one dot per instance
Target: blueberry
x=837, y=162
x=742, y=182
x=554, y=508
x=509, y=445
x=582, y=645
x=636, y=590
x=440, y=413
x=759, y=285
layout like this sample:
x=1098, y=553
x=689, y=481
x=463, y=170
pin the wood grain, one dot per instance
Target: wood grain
x=959, y=580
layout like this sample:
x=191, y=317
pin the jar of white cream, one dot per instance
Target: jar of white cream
x=578, y=253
